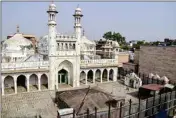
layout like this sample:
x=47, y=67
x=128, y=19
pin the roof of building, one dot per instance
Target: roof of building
x=18, y=39
x=154, y=87
x=87, y=41
x=94, y=98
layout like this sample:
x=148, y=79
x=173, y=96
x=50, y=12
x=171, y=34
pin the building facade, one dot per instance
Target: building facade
x=61, y=60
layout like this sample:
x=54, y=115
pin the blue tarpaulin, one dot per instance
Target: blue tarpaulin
x=162, y=114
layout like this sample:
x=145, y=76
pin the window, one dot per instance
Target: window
x=73, y=46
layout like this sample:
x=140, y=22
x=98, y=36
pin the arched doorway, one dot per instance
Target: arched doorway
x=21, y=83
x=104, y=76
x=63, y=77
x=83, y=78
x=44, y=81
x=90, y=76
x=98, y=75
x=9, y=85
x=65, y=74
x=111, y=75
x=33, y=82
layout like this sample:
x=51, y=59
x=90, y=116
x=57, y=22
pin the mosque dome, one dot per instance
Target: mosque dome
x=87, y=41
x=52, y=5
x=16, y=42
x=115, y=44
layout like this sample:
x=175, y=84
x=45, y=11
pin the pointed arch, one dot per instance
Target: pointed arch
x=83, y=77
x=44, y=81
x=98, y=75
x=21, y=83
x=90, y=76
x=111, y=74
x=104, y=75
x=9, y=85
x=33, y=82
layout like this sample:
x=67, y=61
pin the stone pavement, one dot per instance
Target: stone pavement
x=23, y=105
x=119, y=90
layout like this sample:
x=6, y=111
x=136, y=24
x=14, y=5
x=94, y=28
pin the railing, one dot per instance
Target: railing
x=99, y=62
x=147, y=108
x=24, y=65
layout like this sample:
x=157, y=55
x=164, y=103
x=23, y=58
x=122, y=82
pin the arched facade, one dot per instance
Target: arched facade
x=100, y=75
x=65, y=73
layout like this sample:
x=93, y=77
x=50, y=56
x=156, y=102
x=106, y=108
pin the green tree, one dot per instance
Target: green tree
x=115, y=37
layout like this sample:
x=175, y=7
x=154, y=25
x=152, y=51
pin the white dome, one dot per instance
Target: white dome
x=17, y=40
x=52, y=5
x=115, y=44
x=87, y=41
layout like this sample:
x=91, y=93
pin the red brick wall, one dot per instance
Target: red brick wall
x=159, y=60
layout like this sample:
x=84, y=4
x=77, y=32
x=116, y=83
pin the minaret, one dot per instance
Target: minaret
x=77, y=27
x=52, y=45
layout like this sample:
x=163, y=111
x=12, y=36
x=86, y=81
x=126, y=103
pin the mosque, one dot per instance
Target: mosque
x=60, y=60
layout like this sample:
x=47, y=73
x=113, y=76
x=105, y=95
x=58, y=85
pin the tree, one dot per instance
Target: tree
x=115, y=37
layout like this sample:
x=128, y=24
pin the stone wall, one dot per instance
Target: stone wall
x=158, y=60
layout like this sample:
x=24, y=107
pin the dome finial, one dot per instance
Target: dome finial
x=78, y=6
x=18, y=30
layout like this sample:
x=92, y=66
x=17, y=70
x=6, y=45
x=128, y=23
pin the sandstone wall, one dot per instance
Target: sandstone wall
x=158, y=60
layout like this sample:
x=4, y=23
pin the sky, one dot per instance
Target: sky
x=148, y=21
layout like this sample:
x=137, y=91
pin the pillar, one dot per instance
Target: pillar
x=27, y=79
x=108, y=75
x=15, y=83
x=101, y=76
x=2, y=86
x=115, y=74
x=39, y=82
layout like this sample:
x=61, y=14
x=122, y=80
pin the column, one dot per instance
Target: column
x=101, y=76
x=93, y=76
x=86, y=78
x=115, y=74
x=2, y=86
x=39, y=83
x=108, y=75
x=15, y=84
x=68, y=46
x=27, y=78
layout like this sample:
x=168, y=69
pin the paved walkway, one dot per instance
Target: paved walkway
x=29, y=105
